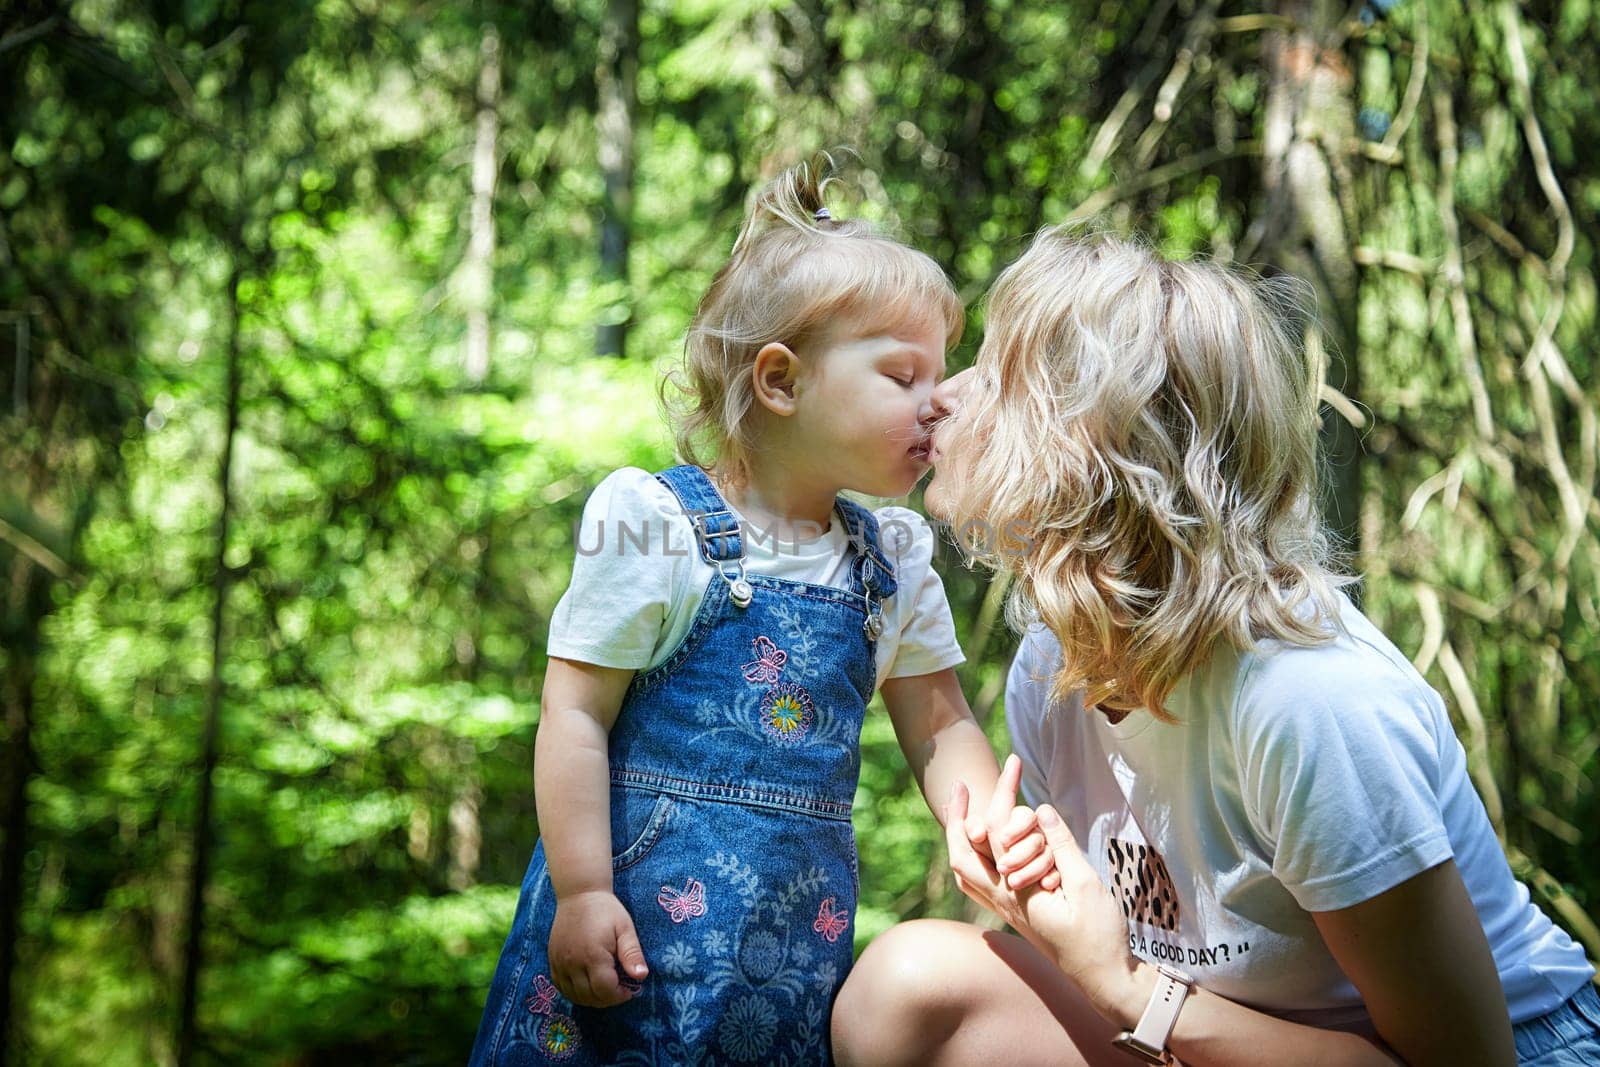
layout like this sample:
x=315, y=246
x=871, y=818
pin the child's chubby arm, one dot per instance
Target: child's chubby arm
x=572, y=785
x=944, y=744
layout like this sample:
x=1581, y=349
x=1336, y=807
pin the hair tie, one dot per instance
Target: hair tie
x=823, y=215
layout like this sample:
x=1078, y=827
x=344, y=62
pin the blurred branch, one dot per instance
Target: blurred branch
x=45, y=295
x=982, y=632
x=1195, y=40
x=1531, y=130
x=18, y=38
x=1101, y=199
x=1570, y=910
x=1506, y=240
x=35, y=550
x=1392, y=259
x=1477, y=735
x=1454, y=271
x=1432, y=626
x=1419, y=74
x=1544, y=361
x=1347, y=408
x=1110, y=132
x=1254, y=23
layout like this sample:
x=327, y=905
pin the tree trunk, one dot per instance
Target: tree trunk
x=466, y=829
x=19, y=320
x=1306, y=227
x=16, y=690
x=615, y=77
x=479, y=266
x=193, y=958
x=464, y=822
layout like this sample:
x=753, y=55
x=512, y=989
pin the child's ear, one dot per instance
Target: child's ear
x=775, y=373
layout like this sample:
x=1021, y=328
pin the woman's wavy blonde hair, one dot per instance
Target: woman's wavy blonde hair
x=1152, y=426
x=790, y=277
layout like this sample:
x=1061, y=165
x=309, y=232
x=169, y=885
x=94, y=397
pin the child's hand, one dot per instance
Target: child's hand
x=1013, y=837
x=1028, y=859
x=592, y=946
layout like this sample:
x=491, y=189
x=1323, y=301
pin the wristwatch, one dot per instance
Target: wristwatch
x=1148, y=1040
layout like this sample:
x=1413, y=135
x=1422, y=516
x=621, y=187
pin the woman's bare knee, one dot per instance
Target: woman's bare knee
x=932, y=992
x=906, y=995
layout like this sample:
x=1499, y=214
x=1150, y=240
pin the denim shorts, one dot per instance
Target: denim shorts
x=1569, y=1036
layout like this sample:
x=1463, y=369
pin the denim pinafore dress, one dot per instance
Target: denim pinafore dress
x=733, y=768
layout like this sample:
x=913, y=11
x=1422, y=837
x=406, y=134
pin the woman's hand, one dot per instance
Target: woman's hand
x=1008, y=833
x=1078, y=926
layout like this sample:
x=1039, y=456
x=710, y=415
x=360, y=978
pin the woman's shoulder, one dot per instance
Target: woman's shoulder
x=1355, y=680
x=1038, y=653
x=1038, y=723
x=1355, y=654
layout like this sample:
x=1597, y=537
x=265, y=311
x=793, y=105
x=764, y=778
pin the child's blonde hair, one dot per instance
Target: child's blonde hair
x=791, y=275
x=1152, y=426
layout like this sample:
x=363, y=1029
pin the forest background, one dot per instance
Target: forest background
x=319, y=320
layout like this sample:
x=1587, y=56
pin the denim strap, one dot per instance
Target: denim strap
x=869, y=571
x=716, y=528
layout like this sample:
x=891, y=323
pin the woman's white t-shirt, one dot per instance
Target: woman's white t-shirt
x=638, y=580
x=1296, y=780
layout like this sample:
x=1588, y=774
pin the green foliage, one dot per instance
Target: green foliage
x=399, y=535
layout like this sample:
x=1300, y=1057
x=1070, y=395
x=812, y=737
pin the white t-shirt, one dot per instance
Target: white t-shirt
x=638, y=580
x=1296, y=780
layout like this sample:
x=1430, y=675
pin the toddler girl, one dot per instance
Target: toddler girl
x=692, y=898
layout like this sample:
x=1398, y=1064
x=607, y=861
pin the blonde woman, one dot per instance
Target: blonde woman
x=1269, y=846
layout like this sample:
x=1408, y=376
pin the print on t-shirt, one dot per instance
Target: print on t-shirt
x=1142, y=885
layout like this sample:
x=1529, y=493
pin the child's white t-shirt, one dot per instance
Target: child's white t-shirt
x=1297, y=780
x=638, y=580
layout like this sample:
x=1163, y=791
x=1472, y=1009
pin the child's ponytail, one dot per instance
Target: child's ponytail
x=794, y=199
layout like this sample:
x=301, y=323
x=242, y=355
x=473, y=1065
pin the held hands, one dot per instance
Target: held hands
x=1008, y=833
x=592, y=945
x=1079, y=926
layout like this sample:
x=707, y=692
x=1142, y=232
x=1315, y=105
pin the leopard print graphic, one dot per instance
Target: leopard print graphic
x=1140, y=881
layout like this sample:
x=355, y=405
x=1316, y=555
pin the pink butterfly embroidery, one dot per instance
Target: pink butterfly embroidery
x=685, y=905
x=544, y=996
x=830, y=924
x=768, y=664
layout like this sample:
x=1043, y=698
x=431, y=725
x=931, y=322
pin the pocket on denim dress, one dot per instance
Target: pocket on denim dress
x=638, y=819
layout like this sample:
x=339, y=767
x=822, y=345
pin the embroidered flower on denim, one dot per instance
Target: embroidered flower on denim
x=786, y=713
x=558, y=1036
x=747, y=1028
x=761, y=955
x=678, y=960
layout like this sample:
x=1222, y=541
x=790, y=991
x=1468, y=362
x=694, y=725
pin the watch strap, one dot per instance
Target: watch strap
x=1148, y=1040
